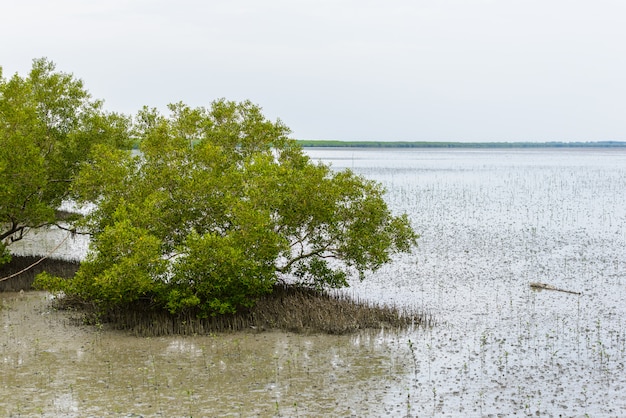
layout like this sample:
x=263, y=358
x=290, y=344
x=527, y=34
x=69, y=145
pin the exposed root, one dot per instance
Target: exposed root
x=287, y=308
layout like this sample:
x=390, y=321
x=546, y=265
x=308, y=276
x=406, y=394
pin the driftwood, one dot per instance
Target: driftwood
x=545, y=286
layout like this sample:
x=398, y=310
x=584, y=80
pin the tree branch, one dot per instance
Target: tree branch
x=324, y=252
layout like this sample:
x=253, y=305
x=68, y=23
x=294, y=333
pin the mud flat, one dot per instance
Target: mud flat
x=51, y=366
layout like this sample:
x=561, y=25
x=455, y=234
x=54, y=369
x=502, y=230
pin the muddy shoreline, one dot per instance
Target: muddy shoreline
x=53, y=367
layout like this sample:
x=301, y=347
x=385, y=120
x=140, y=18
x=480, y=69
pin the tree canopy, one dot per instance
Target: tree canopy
x=48, y=124
x=217, y=206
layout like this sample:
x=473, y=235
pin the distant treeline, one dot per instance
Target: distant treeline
x=423, y=144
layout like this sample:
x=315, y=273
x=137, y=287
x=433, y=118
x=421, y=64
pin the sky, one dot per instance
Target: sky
x=393, y=70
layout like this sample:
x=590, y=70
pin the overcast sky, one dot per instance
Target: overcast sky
x=404, y=70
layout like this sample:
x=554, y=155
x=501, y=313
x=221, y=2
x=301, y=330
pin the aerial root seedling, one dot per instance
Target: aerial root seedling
x=289, y=308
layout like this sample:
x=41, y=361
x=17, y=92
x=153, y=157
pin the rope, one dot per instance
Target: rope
x=38, y=261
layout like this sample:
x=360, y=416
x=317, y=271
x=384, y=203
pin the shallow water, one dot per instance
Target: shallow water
x=492, y=222
x=50, y=366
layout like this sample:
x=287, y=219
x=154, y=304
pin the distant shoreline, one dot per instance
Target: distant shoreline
x=422, y=144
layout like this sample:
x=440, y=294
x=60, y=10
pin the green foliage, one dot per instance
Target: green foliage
x=5, y=255
x=48, y=124
x=220, y=205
